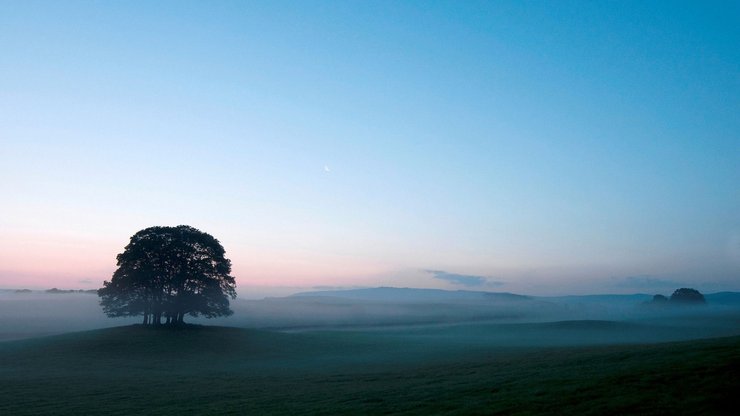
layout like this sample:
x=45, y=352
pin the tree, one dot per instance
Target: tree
x=660, y=299
x=170, y=272
x=687, y=296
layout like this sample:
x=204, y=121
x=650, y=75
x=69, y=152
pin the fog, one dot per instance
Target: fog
x=467, y=317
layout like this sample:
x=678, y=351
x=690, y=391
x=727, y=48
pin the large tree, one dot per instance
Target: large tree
x=169, y=272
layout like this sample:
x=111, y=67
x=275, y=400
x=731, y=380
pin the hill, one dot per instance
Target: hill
x=606, y=299
x=212, y=370
x=397, y=294
x=406, y=294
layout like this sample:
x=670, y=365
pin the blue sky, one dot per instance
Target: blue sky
x=546, y=147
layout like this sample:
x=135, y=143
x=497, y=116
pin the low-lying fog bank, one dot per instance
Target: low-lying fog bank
x=32, y=314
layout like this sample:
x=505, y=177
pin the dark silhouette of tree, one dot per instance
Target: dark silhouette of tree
x=170, y=272
x=660, y=299
x=687, y=296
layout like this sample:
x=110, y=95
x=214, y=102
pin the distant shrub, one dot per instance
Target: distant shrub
x=659, y=299
x=687, y=296
x=58, y=291
x=683, y=296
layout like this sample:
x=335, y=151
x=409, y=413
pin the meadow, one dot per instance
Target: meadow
x=220, y=370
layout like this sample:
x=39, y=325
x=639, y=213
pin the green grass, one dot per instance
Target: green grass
x=212, y=370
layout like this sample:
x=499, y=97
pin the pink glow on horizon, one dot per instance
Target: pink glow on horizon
x=30, y=261
x=46, y=261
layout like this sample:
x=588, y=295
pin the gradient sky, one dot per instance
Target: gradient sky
x=532, y=147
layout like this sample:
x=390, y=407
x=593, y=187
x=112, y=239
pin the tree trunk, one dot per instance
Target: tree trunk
x=146, y=319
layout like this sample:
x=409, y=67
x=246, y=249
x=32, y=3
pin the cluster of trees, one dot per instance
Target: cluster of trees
x=165, y=273
x=682, y=296
x=57, y=291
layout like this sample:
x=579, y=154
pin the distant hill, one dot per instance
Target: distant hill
x=405, y=294
x=632, y=298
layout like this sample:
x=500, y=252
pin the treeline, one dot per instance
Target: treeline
x=682, y=296
x=56, y=291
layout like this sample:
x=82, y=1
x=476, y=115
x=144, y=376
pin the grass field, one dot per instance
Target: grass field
x=218, y=370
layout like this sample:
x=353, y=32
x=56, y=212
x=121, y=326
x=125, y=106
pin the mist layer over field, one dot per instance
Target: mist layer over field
x=465, y=317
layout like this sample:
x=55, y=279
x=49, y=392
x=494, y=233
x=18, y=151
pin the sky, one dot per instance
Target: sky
x=529, y=147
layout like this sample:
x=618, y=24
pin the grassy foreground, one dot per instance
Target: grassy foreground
x=212, y=370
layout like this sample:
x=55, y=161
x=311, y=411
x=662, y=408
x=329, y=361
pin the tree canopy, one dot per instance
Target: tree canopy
x=170, y=272
x=688, y=296
x=682, y=296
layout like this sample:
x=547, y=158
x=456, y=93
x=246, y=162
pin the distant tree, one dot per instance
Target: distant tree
x=659, y=299
x=687, y=296
x=170, y=272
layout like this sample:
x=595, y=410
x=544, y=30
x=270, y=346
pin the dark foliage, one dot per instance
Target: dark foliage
x=683, y=296
x=688, y=296
x=169, y=272
x=660, y=299
x=56, y=291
